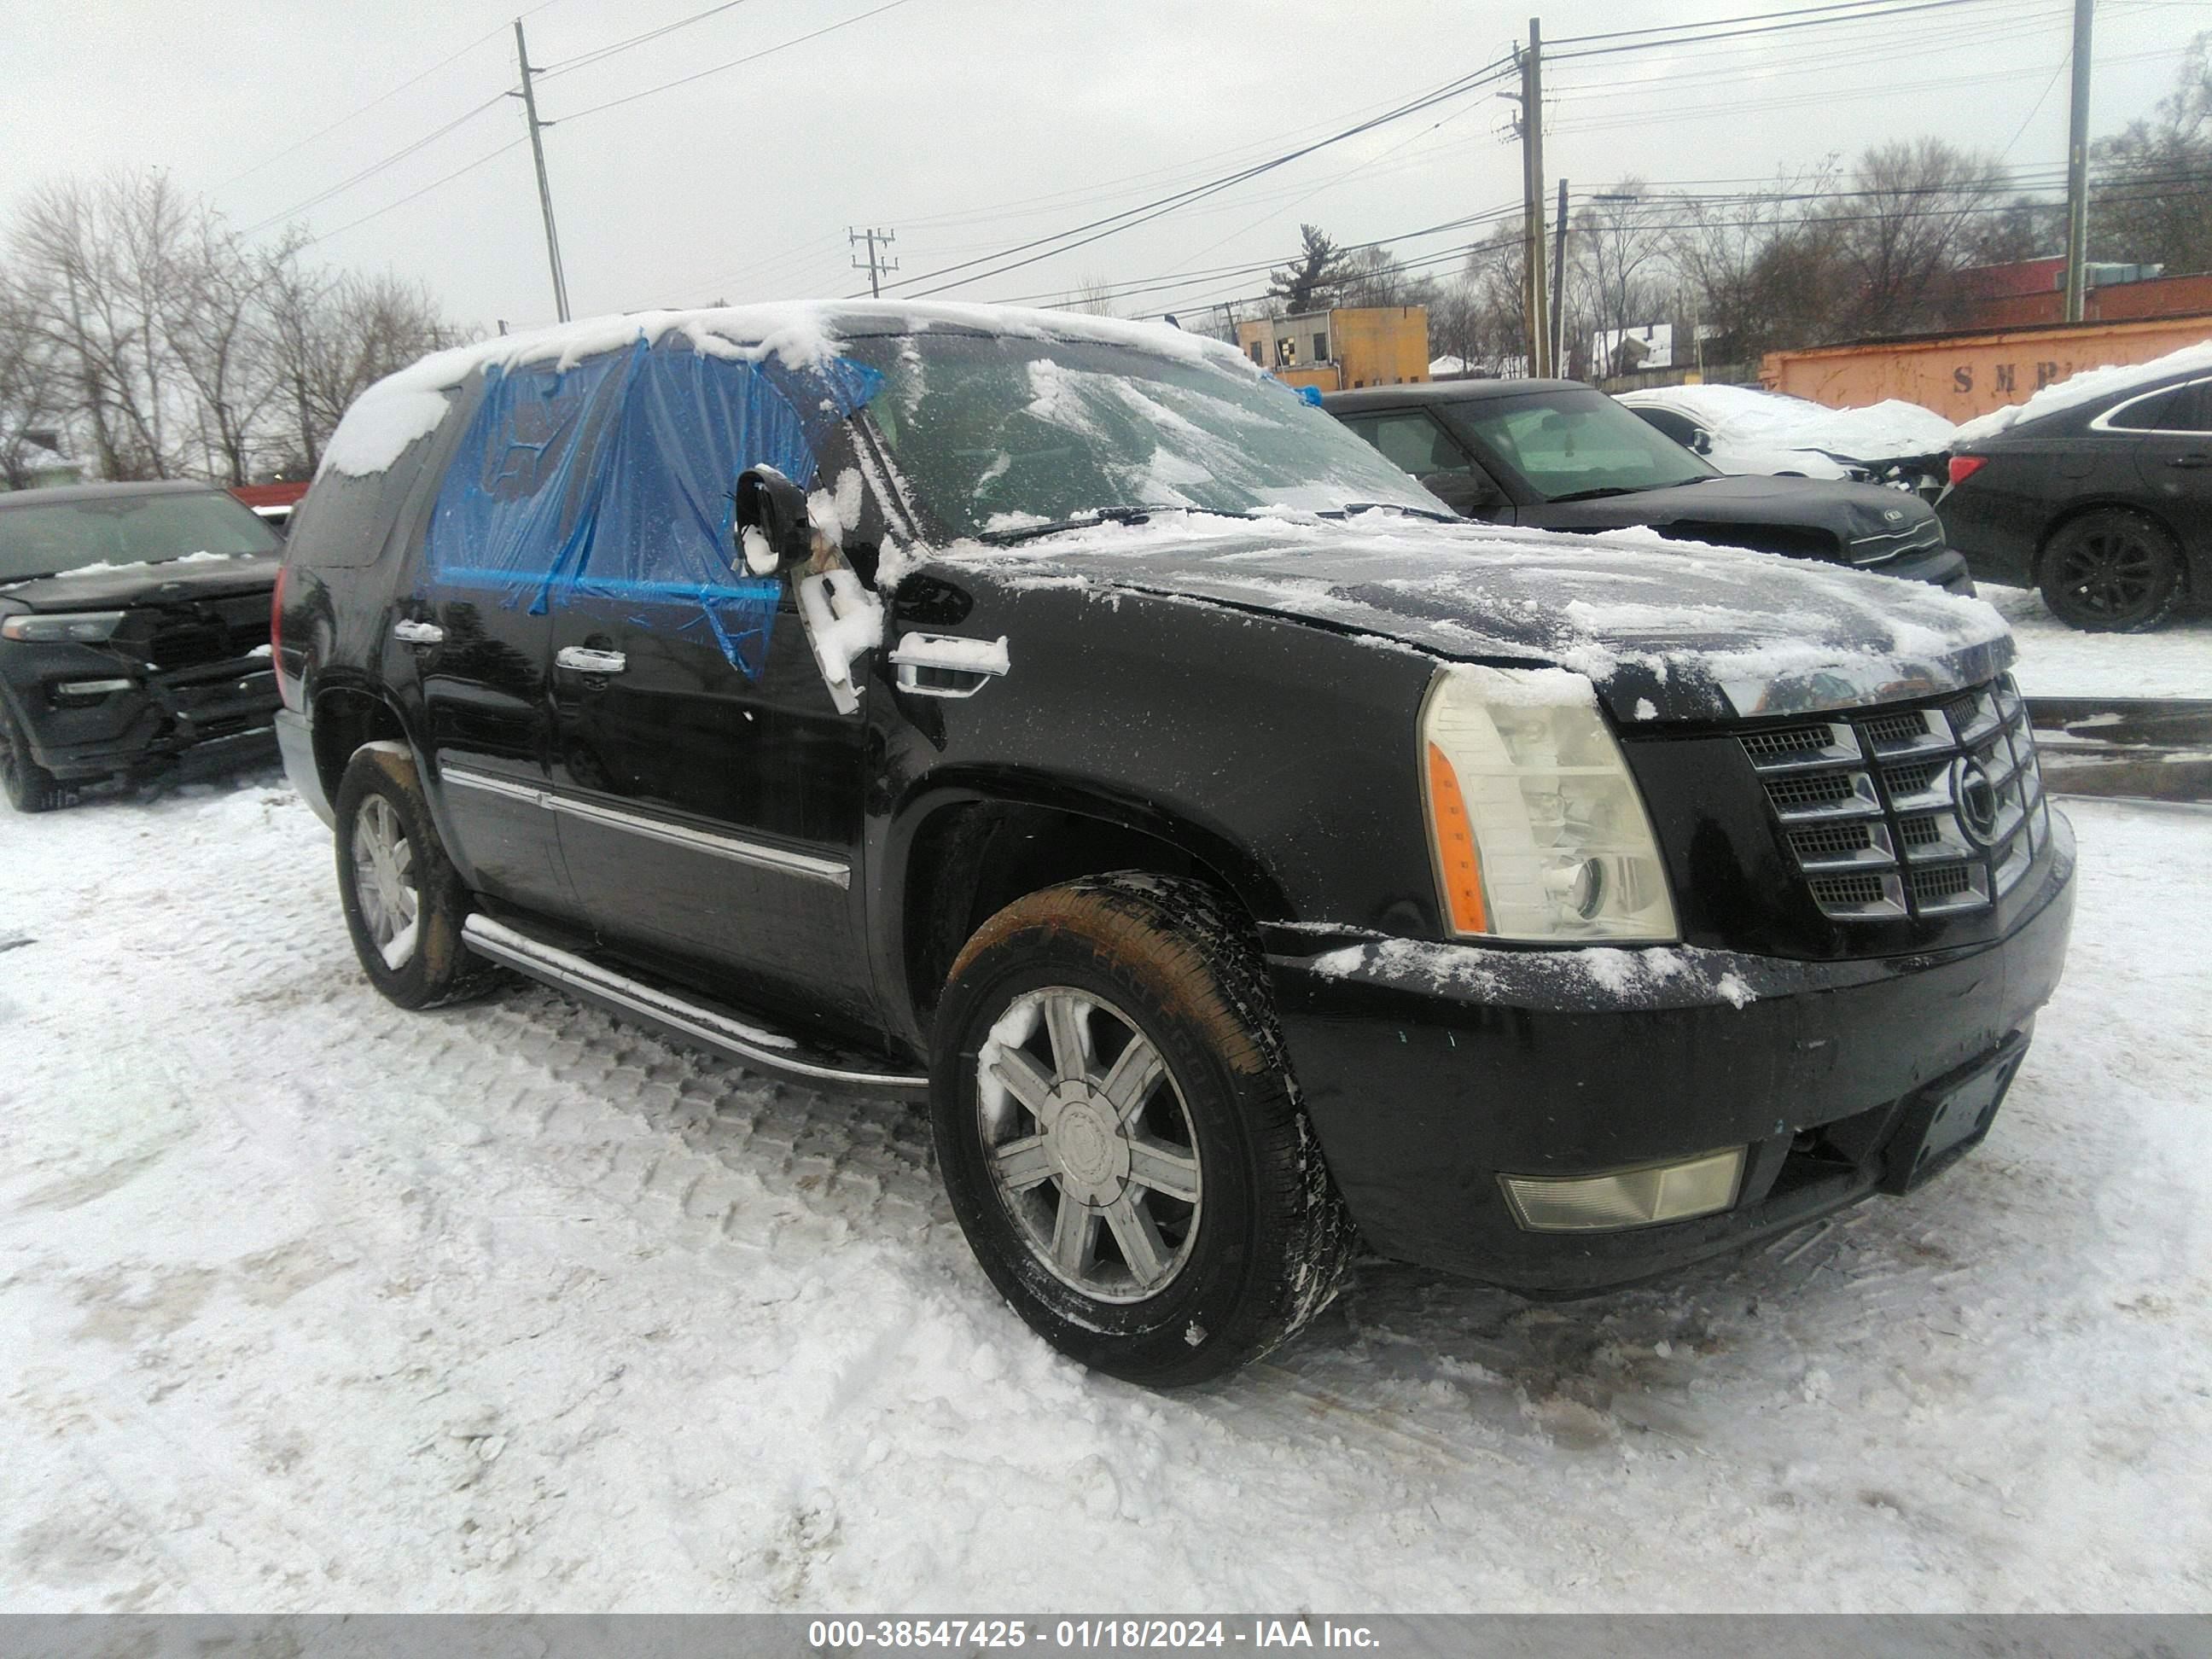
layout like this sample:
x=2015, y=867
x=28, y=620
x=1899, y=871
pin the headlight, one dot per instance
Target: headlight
x=1537, y=827
x=82, y=627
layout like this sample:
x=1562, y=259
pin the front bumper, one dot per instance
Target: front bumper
x=149, y=716
x=1431, y=1070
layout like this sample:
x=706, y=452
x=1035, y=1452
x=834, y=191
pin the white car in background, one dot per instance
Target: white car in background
x=1745, y=429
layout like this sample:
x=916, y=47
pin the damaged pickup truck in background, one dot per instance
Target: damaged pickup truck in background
x=134, y=625
x=1058, y=720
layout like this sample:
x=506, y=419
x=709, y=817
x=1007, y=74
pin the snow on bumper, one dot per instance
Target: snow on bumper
x=1430, y=1070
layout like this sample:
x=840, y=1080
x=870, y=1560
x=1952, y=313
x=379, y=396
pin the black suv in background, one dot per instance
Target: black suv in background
x=2104, y=502
x=1564, y=456
x=133, y=625
x=1057, y=719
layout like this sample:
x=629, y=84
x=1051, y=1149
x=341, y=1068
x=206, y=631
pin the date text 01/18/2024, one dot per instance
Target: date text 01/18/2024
x=854, y=1635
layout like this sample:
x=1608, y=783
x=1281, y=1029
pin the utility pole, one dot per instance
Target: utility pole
x=529, y=96
x=1559, y=285
x=876, y=265
x=1532, y=197
x=2077, y=168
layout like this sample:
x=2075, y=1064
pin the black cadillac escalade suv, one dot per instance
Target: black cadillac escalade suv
x=133, y=625
x=1058, y=720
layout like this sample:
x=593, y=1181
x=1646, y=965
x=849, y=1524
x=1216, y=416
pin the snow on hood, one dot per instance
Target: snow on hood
x=404, y=407
x=1748, y=418
x=1667, y=631
x=2090, y=385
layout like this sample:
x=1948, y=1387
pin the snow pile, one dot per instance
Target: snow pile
x=1750, y=417
x=1448, y=366
x=2090, y=385
x=2058, y=661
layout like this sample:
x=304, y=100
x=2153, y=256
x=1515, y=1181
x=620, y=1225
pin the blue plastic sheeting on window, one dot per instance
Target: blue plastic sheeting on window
x=612, y=481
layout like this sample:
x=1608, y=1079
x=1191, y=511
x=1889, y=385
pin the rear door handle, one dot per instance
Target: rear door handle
x=2194, y=459
x=581, y=659
x=419, y=633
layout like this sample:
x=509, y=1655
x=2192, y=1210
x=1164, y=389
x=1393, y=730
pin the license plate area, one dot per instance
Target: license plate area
x=1949, y=1118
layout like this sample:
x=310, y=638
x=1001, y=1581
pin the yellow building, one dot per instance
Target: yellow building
x=1337, y=350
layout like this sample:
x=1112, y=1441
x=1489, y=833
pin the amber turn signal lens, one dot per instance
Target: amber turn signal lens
x=1458, y=862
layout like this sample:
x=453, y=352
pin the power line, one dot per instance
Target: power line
x=512, y=143
x=584, y=59
x=374, y=168
x=1752, y=17
x=1128, y=218
x=321, y=132
x=1724, y=29
x=736, y=63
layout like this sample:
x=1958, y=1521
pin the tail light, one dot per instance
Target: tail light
x=1964, y=467
x=277, y=639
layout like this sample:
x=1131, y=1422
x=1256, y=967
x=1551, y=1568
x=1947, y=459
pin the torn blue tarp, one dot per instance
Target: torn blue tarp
x=612, y=480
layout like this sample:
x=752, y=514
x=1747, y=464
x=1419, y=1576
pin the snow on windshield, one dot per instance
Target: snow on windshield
x=999, y=433
x=2090, y=385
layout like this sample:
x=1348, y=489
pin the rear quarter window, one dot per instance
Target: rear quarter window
x=345, y=520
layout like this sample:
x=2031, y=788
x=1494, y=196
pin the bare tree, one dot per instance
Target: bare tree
x=102, y=256
x=1728, y=252
x=2154, y=201
x=1908, y=223
x=1622, y=249
x=215, y=322
x=34, y=397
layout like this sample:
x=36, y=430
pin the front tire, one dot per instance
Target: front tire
x=28, y=785
x=404, y=900
x=2112, y=572
x=1121, y=1135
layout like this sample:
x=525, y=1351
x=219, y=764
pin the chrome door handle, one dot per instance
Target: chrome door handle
x=582, y=660
x=419, y=633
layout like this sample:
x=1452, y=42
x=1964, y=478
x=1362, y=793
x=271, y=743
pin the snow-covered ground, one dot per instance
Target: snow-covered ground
x=309, y=1303
x=2174, y=660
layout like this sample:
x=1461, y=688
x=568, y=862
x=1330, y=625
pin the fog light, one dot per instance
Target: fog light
x=1628, y=1198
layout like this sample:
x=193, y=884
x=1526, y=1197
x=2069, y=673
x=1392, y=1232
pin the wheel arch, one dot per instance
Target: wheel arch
x=964, y=847
x=340, y=720
x=2195, y=578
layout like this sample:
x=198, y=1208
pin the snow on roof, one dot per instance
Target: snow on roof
x=1749, y=416
x=1448, y=366
x=2089, y=386
x=408, y=406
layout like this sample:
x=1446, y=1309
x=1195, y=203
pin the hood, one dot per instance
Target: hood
x=1667, y=630
x=1847, y=511
x=120, y=586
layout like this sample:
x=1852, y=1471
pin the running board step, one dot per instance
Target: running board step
x=692, y=1021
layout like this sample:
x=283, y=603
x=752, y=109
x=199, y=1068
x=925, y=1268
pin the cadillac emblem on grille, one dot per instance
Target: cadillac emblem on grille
x=1977, y=799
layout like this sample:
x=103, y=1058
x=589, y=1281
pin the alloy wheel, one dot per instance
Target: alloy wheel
x=384, y=881
x=1089, y=1143
x=2109, y=573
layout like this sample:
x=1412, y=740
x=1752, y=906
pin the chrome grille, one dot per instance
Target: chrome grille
x=1931, y=811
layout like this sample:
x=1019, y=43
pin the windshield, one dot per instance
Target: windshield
x=1574, y=443
x=46, y=540
x=1001, y=435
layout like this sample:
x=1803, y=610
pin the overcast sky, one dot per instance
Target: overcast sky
x=969, y=125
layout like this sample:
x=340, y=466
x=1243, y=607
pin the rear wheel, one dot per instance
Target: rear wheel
x=28, y=785
x=2112, y=571
x=404, y=900
x=1121, y=1135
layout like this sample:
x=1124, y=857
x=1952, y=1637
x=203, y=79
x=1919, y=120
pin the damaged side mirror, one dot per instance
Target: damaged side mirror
x=771, y=526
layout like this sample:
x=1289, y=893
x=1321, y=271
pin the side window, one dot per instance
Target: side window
x=345, y=520
x=2151, y=413
x=1410, y=439
x=612, y=480
x=2191, y=409
x=1675, y=425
